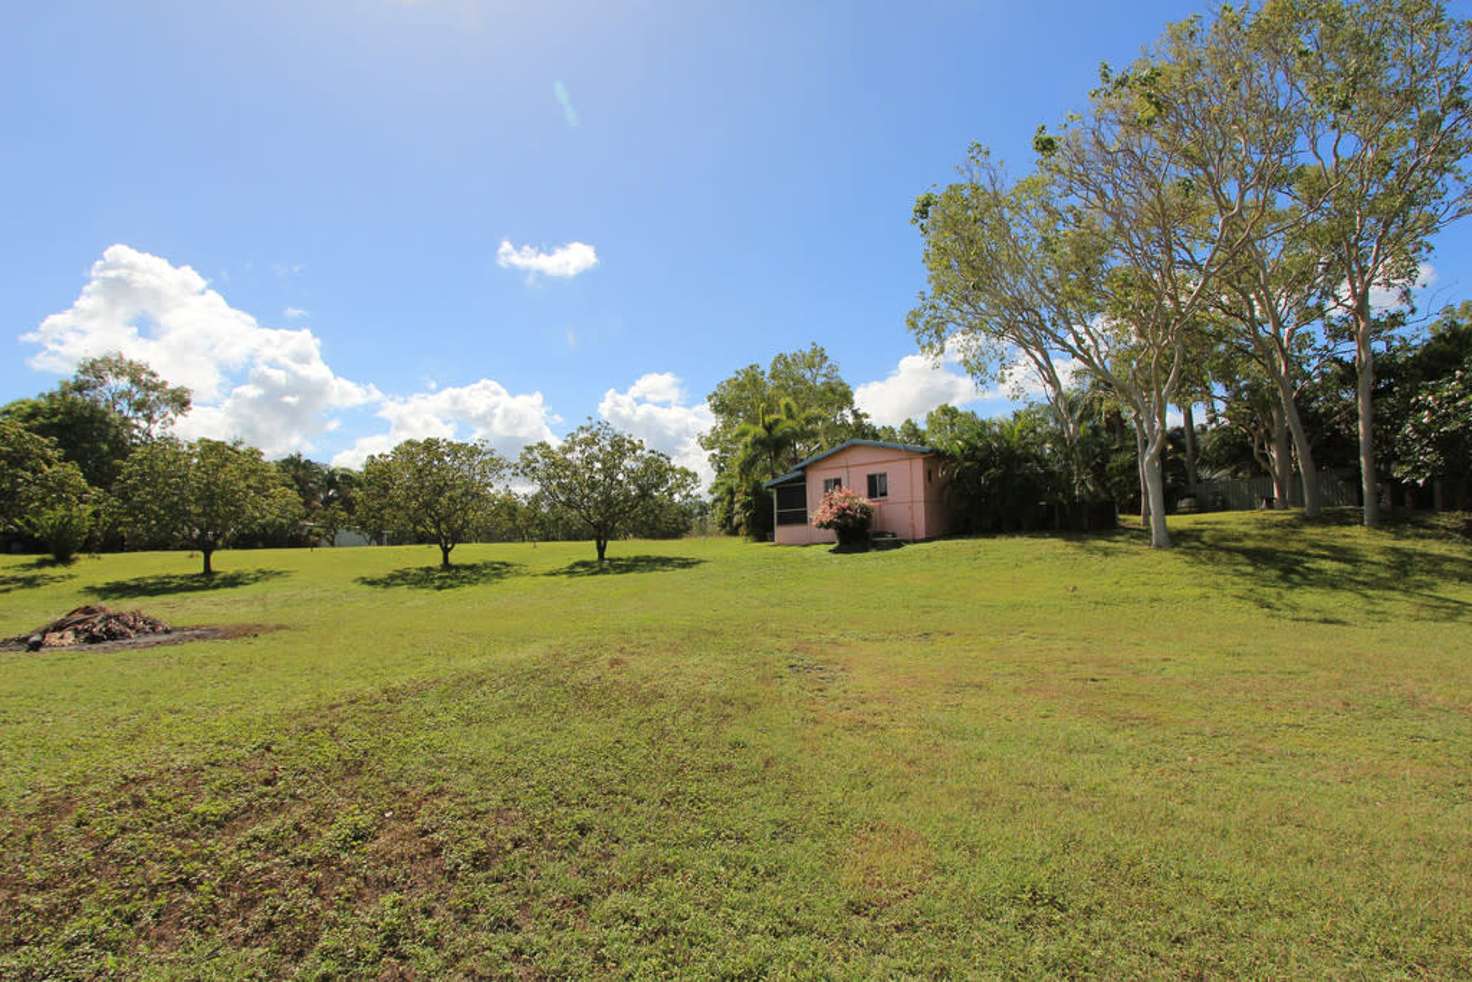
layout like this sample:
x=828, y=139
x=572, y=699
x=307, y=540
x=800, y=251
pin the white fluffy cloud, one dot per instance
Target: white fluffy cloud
x=1021, y=382
x=653, y=409
x=482, y=410
x=918, y=384
x=1384, y=299
x=563, y=261
x=268, y=386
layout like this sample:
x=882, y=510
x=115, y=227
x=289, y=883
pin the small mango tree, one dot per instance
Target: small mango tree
x=605, y=481
x=441, y=491
x=200, y=495
x=848, y=513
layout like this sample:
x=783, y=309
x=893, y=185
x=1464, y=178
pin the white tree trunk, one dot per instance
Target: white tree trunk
x=1281, y=454
x=1313, y=501
x=1155, y=485
x=1278, y=362
x=1365, y=386
x=1140, y=467
x=1150, y=439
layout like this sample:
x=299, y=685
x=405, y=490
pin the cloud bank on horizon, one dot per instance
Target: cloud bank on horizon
x=273, y=388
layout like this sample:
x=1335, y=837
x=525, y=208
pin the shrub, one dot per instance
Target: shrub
x=57, y=510
x=847, y=513
x=63, y=527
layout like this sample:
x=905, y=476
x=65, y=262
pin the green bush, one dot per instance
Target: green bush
x=64, y=528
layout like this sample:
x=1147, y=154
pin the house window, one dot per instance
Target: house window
x=829, y=483
x=879, y=485
x=792, y=504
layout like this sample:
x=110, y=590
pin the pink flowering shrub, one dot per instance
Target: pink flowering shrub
x=846, y=512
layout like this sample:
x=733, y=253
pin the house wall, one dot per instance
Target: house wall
x=914, y=509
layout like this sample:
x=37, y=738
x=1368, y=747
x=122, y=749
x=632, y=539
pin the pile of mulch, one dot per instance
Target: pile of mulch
x=93, y=624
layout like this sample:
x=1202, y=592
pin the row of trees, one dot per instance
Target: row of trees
x=596, y=483
x=93, y=463
x=1221, y=219
x=1026, y=471
x=1020, y=472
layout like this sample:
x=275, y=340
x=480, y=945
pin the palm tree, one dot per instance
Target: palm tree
x=767, y=447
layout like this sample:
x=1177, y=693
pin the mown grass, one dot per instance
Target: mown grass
x=1015, y=756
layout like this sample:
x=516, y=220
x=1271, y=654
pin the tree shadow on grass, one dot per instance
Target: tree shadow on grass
x=626, y=564
x=1280, y=566
x=1280, y=574
x=1445, y=526
x=167, y=583
x=29, y=581
x=438, y=578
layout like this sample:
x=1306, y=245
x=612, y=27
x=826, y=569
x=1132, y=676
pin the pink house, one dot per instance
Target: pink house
x=903, y=481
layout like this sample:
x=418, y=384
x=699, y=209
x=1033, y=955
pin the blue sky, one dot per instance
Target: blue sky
x=340, y=177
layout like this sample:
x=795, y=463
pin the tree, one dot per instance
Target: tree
x=1250, y=405
x=1162, y=199
x=96, y=417
x=810, y=379
x=1000, y=472
x=23, y=455
x=996, y=285
x=606, y=480
x=309, y=480
x=768, y=445
x=58, y=510
x=1096, y=266
x=911, y=432
x=41, y=494
x=307, y=477
x=435, y=489
x=1436, y=441
x=132, y=390
x=1226, y=93
x=669, y=516
x=87, y=433
x=339, y=503
x=823, y=414
x=1386, y=137
x=202, y=494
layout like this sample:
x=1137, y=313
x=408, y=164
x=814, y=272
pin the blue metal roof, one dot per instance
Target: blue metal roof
x=797, y=471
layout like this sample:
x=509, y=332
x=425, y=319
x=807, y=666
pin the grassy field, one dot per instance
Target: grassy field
x=1033, y=756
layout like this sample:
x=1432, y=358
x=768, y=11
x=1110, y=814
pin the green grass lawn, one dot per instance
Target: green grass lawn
x=1251, y=756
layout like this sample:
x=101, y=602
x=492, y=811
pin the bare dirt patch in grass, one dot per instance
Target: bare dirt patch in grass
x=224, y=632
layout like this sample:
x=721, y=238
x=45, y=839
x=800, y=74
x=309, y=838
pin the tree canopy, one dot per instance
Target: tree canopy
x=606, y=481
x=766, y=420
x=441, y=490
x=132, y=391
x=1254, y=181
x=202, y=494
